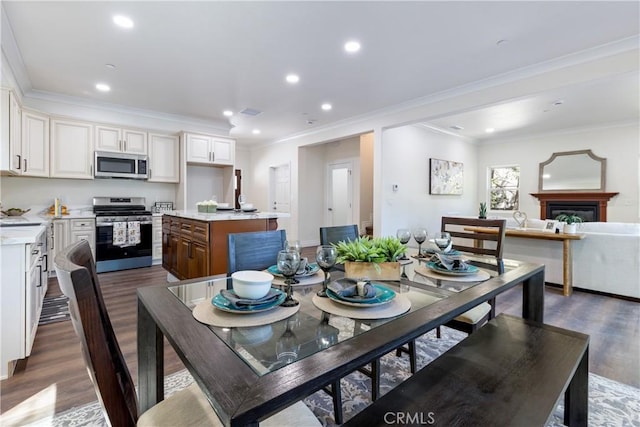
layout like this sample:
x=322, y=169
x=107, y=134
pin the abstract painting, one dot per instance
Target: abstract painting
x=446, y=177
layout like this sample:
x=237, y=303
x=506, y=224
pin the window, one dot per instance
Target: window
x=504, y=188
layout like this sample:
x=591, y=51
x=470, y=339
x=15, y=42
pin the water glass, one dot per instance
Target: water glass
x=326, y=256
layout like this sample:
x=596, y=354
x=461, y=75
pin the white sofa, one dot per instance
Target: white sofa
x=606, y=260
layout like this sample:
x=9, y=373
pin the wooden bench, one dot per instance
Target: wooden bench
x=510, y=372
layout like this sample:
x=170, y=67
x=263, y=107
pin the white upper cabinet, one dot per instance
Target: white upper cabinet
x=209, y=149
x=164, y=158
x=120, y=140
x=71, y=149
x=10, y=133
x=35, y=144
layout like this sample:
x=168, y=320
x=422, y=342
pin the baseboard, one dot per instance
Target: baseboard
x=591, y=291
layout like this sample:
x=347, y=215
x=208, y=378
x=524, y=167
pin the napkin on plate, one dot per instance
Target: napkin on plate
x=450, y=262
x=352, y=288
x=238, y=302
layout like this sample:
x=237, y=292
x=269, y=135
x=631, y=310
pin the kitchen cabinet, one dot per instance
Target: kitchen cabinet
x=195, y=248
x=67, y=231
x=11, y=133
x=209, y=150
x=110, y=138
x=35, y=144
x=164, y=158
x=23, y=278
x=71, y=149
x=157, y=240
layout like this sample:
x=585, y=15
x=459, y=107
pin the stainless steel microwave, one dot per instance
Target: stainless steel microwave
x=121, y=165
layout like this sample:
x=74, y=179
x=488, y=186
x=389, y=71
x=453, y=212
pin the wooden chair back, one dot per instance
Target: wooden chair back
x=476, y=232
x=76, y=273
x=256, y=250
x=329, y=235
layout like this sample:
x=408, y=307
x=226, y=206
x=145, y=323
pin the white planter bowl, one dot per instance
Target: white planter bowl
x=251, y=284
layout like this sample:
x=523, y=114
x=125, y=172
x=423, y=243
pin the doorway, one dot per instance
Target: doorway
x=280, y=188
x=340, y=193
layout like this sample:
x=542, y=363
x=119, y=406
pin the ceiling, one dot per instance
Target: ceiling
x=197, y=59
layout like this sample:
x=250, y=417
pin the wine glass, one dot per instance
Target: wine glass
x=288, y=263
x=404, y=235
x=293, y=245
x=442, y=239
x=242, y=199
x=326, y=335
x=420, y=235
x=287, y=346
x=326, y=256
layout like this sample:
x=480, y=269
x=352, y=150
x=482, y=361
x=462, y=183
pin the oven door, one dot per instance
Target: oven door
x=110, y=257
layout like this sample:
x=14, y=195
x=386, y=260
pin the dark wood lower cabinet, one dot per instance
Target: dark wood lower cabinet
x=193, y=248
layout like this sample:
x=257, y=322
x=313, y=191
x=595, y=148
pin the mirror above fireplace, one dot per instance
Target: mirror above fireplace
x=572, y=171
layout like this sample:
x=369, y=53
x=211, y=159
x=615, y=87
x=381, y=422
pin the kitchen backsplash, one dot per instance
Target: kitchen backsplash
x=23, y=192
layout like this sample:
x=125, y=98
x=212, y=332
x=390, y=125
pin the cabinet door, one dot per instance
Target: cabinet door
x=174, y=244
x=59, y=237
x=134, y=141
x=199, y=148
x=34, y=306
x=71, y=149
x=157, y=239
x=15, y=134
x=164, y=158
x=183, y=258
x=198, y=265
x=35, y=144
x=223, y=151
x=108, y=138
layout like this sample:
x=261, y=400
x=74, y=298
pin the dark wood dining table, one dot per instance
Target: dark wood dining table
x=244, y=391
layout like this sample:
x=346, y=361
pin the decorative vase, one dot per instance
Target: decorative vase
x=372, y=270
x=570, y=228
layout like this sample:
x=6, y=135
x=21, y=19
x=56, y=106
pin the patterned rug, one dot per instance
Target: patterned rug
x=54, y=309
x=610, y=403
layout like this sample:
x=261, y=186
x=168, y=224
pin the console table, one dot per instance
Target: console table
x=567, y=258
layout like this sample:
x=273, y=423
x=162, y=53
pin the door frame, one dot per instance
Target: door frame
x=354, y=190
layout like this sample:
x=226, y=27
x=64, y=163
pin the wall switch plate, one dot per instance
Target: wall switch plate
x=394, y=187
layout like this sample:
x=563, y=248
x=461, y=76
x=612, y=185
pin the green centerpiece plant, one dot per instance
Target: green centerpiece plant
x=375, y=258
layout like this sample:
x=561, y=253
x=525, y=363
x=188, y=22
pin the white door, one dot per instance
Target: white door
x=280, y=188
x=340, y=194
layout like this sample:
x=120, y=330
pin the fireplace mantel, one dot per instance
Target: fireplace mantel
x=601, y=197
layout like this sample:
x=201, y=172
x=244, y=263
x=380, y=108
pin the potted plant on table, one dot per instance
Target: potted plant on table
x=375, y=258
x=571, y=222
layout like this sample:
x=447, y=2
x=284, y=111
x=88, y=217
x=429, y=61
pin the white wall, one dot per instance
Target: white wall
x=38, y=193
x=405, y=162
x=618, y=144
x=366, y=180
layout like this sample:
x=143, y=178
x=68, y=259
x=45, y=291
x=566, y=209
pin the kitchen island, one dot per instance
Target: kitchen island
x=195, y=244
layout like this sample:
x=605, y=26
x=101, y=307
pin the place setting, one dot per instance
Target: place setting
x=449, y=264
x=361, y=299
x=252, y=301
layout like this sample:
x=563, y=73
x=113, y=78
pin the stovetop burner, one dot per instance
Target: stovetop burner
x=119, y=206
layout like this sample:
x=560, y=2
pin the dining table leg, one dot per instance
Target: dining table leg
x=533, y=297
x=150, y=361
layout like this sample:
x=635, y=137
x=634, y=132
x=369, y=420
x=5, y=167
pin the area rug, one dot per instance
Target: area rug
x=610, y=403
x=54, y=309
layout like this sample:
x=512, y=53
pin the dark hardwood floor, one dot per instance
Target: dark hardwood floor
x=613, y=324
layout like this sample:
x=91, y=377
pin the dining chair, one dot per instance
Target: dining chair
x=107, y=368
x=338, y=233
x=482, y=237
x=255, y=250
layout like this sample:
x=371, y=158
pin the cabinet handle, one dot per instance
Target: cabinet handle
x=25, y=165
x=40, y=277
x=150, y=173
x=124, y=144
x=213, y=156
x=46, y=262
x=19, y=161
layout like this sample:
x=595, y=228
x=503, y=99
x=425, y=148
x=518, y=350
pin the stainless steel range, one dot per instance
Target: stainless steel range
x=123, y=233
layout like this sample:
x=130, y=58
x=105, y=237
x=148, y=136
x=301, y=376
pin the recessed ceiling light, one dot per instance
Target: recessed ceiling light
x=352, y=46
x=102, y=87
x=256, y=131
x=123, y=21
x=558, y=102
x=456, y=127
x=489, y=130
x=546, y=176
x=326, y=106
x=293, y=78
x=227, y=113
x=502, y=42
x=110, y=66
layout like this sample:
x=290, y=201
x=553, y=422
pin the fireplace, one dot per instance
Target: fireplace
x=588, y=211
x=590, y=206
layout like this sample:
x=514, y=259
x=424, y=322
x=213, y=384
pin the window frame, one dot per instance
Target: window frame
x=490, y=187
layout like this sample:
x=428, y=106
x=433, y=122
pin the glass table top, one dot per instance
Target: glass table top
x=268, y=347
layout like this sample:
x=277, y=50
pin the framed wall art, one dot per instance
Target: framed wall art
x=445, y=177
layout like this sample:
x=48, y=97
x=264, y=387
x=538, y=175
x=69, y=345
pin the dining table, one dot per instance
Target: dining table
x=250, y=373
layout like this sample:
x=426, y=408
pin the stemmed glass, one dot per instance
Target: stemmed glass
x=292, y=245
x=420, y=235
x=442, y=239
x=326, y=335
x=404, y=235
x=288, y=263
x=326, y=258
x=287, y=346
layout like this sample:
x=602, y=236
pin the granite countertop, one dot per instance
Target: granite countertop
x=20, y=235
x=227, y=215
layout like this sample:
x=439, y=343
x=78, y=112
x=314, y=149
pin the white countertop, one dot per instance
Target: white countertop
x=20, y=235
x=227, y=215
